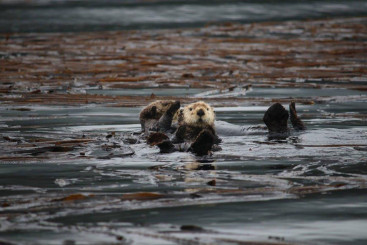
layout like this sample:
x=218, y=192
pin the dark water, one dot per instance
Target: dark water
x=92, y=15
x=301, y=190
x=310, y=188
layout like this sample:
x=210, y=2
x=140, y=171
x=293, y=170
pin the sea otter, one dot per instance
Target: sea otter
x=195, y=131
x=158, y=115
x=196, y=126
x=193, y=119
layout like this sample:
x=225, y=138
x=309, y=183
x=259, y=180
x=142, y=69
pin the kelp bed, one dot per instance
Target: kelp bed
x=60, y=68
x=74, y=171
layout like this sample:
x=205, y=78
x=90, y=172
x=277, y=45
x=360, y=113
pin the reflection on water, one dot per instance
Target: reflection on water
x=79, y=174
x=48, y=16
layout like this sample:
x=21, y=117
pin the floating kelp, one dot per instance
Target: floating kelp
x=53, y=67
x=76, y=169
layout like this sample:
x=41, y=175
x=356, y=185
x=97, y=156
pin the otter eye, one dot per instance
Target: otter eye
x=190, y=109
x=207, y=109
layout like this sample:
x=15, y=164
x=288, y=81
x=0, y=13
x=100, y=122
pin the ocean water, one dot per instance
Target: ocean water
x=93, y=15
x=307, y=189
x=79, y=174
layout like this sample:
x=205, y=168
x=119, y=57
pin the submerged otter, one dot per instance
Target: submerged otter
x=195, y=131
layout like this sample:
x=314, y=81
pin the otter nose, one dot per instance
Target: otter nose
x=200, y=113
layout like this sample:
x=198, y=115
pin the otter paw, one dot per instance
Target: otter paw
x=295, y=120
x=165, y=122
x=203, y=143
x=156, y=138
x=151, y=113
x=166, y=146
x=173, y=108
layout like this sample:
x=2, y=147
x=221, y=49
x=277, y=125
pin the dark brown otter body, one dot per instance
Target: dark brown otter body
x=190, y=133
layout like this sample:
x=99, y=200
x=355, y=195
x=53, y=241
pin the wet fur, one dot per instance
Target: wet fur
x=195, y=132
x=191, y=124
x=276, y=120
x=196, y=125
x=193, y=119
x=152, y=117
x=189, y=115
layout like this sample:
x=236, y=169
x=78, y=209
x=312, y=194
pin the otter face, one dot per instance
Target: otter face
x=198, y=114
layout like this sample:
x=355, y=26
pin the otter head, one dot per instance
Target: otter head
x=198, y=114
x=163, y=106
x=156, y=109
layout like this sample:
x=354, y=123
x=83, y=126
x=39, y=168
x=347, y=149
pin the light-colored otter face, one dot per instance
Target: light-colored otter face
x=198, y=114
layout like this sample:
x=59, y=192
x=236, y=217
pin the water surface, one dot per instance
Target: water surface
x=92, y=15
x=307, y=189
